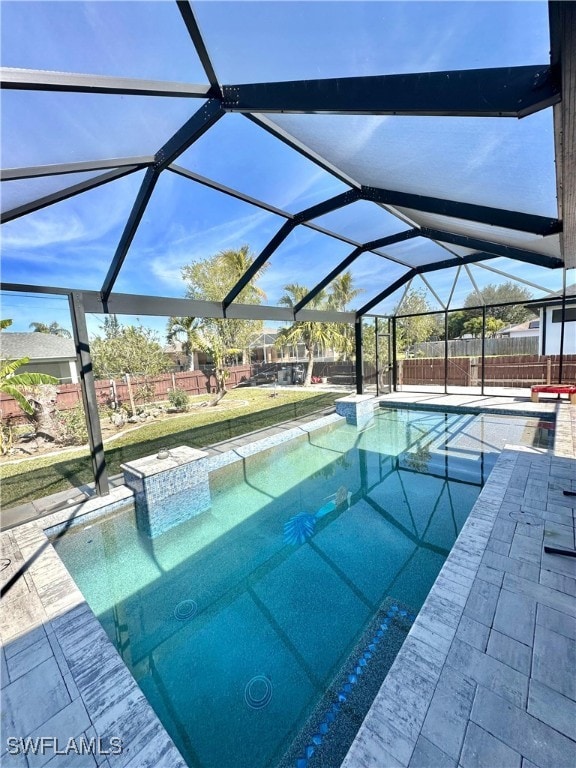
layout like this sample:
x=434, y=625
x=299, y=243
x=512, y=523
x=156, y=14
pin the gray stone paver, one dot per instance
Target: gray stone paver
x=513, y=644
x=481, y=750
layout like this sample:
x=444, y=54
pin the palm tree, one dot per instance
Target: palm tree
x=311, y=334
x=186, y=330
x=343, y=291
x=341, y=295
x=54, y=328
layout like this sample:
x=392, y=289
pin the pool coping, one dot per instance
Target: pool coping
x=99, y=684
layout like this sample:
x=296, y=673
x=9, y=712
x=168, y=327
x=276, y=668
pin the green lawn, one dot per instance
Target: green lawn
x=35, y=478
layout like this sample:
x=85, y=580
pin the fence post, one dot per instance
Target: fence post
x=473, y=371
x=548, y=370
x=130, y=394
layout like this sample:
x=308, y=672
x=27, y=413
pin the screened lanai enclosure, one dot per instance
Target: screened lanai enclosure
x=425, y=150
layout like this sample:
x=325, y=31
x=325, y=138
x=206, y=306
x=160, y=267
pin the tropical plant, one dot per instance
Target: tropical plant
x=342, y=293
x=26, y=389
x=312, y=334
x=54, y=328
x=17, y=384
x=187, y=331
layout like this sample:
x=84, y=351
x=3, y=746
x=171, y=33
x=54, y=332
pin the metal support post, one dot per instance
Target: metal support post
x=84, y=362
x=394, y=360
x=562, y=328
x=446, y=352
x=359, y=366
x=483, y=347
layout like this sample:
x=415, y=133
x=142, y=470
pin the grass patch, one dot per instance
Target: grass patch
x=42, y=476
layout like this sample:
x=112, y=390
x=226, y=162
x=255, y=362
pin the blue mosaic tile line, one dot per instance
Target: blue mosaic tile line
x=352, y=677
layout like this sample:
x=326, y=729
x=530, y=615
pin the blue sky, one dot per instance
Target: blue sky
x=502, y=162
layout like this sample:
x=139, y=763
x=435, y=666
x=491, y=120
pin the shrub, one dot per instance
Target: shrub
x=72, y=426
x=178, y=398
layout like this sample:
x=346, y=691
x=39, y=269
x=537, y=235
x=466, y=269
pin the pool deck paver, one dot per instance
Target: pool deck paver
x=505, y=694
x=460, y=692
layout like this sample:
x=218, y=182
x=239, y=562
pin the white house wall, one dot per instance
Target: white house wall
x=553, y=331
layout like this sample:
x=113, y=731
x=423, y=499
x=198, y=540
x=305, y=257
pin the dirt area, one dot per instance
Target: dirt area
x=25, y=445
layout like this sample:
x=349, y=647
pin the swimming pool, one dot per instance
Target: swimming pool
x=261, y=630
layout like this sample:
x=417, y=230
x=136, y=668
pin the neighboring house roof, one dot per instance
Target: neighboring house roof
x=529, y=325
x=36, y=346
x=570, y=296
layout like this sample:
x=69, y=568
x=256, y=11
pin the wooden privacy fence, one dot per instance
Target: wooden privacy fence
x=144, y=389
x=527, y=345
x=499, y=371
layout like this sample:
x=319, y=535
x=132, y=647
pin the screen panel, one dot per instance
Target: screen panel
x=127, y=39
x=239, y=154
x=184, y=223
x=499, y=162
x=41, y=128
x=70, y=243
x=285, y=41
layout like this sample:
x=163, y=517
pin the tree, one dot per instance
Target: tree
x=28, y=389
x=54, y=328
x=498, y=294
x=130, y=349
x=211, y=280
x=310, y=333
x=412, y=330
x=186, y=330
x=342, y=293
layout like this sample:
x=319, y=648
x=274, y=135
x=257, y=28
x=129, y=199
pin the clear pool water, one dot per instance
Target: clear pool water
x=261, y=630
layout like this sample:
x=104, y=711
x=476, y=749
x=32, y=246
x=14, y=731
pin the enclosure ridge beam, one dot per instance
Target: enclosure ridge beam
x=383, y=242
x=65, y=194
x=386, y=292
x=494, y=92
x=328, y=279
x=346, y=262
x=194, y=31
x=59, y=169
x=190, y=132
x=275, y=130
x=144, y=195
x=496, y=249
x=320, y=209
x=69, y=82
x=456, y=261
x=523, y=222
x=259, y=262
x=327, y=206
